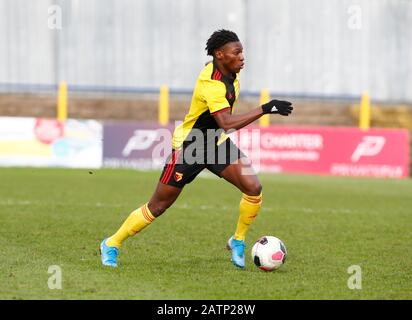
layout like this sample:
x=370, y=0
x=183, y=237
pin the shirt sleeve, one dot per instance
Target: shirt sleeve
x=214, y=93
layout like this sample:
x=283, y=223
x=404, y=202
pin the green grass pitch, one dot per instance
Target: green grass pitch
x=59, y=216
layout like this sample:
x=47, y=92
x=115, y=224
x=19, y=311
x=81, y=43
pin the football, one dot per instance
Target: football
x=269, y=253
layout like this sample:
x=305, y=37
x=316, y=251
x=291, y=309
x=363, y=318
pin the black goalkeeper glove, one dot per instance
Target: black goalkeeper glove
x=283, y=108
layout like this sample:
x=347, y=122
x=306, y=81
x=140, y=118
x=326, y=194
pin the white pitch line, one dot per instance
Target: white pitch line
x=186, y=206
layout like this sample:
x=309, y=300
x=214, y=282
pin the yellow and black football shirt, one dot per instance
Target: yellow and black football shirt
x=214, y=92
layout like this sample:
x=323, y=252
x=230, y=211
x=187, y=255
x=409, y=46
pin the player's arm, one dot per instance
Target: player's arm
x=227, y=121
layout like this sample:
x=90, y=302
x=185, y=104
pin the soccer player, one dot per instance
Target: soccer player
x=194, y=148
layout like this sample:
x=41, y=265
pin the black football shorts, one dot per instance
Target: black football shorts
x=183, y=165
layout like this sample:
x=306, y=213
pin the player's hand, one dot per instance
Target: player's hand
x=281, y=107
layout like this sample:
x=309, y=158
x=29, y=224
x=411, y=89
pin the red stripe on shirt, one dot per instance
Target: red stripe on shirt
x=218, y=111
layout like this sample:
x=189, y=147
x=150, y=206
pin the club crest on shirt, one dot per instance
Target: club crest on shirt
x=178, y=176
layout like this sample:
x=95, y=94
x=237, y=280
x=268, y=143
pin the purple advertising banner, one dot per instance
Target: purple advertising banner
x=136, y=145
x=322, y=150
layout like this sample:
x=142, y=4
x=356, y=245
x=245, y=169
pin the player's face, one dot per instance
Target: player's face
x=232, y=56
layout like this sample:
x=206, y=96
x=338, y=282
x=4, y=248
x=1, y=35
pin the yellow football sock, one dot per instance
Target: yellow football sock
x=248, y=210
x=134, y=223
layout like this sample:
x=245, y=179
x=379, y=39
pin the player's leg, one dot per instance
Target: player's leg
x=163, y=197
x=242, y=176
x=237, y=169
x=176, y=174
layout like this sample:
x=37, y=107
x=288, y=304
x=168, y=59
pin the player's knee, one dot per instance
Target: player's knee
x=158, y=208
x=253, y=189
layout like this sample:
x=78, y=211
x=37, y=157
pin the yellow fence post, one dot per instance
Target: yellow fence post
x=164, y=105
x=62, y=102
x=264, y=98
x=365, y=112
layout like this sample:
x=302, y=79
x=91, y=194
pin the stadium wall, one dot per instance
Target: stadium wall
x=293, y=47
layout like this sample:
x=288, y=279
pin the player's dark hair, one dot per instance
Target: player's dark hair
x=218, y=39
